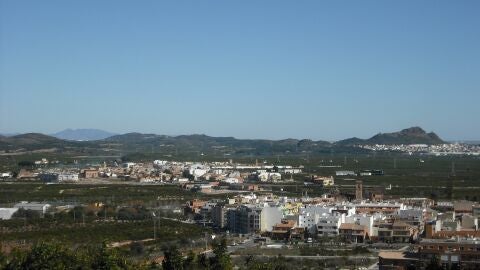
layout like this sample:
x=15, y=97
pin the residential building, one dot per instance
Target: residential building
x=353, y=232
x=398, y=260
x=34, y=206
x=329, y=224
x=453, y=253
x=244, y=219
x=90, y=173
x=403, y=232
x=68, y=177
x=283, y=230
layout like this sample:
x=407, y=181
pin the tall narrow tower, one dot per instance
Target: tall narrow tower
x=359, y=190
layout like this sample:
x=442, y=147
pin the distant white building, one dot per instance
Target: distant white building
x=7, y=213
x=34, y=206
x=345, y=173
x=292, y=170
x=269, y=176
x=198, y=170
x=128, y=165
x=6, y=175
x=231, y=180
x=160, y=163
x=68, y=177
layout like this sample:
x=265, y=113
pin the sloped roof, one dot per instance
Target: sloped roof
x=351, y=226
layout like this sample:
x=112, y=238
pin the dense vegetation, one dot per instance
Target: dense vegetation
x=52, y=256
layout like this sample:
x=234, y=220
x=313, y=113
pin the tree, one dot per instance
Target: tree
x=3, y=260
x=104, y=258
x=173, y=259
x=44, y=256
x=433, y=264
x=137, y=248
x=56, y=256
x=26, y=163
x=279, y=263
x=203, y=262
x=190, y=261
x=221, y=260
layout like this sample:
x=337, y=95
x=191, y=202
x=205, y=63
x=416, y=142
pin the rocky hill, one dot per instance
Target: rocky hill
x=413, y=135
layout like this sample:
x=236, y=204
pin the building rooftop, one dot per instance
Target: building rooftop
x=396, y=255
x=351, y=226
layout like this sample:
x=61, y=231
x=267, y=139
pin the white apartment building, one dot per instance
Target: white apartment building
x=309, y=215
x=328, y=224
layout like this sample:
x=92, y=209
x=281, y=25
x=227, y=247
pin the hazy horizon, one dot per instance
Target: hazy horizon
x=252, y=138
x=269, y=70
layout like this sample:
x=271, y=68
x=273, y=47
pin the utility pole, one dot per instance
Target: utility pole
x=206, y=242
x=154, y=226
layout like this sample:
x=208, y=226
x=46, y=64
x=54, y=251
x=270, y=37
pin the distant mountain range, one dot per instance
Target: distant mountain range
x=86, y=134
x=84, y=142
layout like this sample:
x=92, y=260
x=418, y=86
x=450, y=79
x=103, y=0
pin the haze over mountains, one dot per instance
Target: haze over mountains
x=85, y=134
x=83, y=141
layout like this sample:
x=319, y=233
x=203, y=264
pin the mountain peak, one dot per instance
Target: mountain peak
x=413, y=131
x=412, y=135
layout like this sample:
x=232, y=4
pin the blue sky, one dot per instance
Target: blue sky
x=249, y=69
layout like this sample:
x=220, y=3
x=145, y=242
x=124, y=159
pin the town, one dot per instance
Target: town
x=249, y=204
x=239, y=135
x=437, y=150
